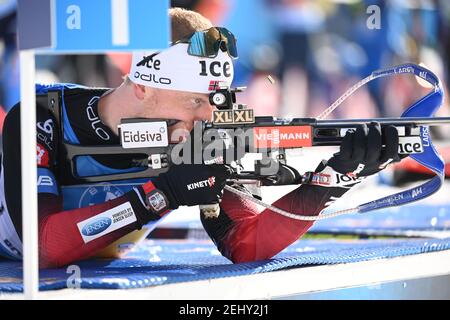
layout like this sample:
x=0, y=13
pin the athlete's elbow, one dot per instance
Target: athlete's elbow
x=48, y=261
x=51, y=260
x=243, y=258
x=51, y=254
x=244, y=253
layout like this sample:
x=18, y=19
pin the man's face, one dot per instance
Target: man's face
x=186, y=107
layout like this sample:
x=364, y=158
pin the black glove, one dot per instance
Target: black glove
x=286, y=175
x=361, y=152
x=189, y=185
x=361, y=155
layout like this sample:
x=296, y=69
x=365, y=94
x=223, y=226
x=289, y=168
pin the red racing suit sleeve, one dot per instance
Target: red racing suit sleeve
x=65, y=236
x=244, y=233
x=68, y=236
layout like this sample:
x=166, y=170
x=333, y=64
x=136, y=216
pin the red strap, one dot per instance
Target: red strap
x=148, y=187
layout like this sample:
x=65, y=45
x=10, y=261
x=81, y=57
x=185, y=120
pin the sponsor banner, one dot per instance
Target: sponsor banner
x=106, y=222
x=330, y=178
x=201, y=184
x=410, y=145
x=144, y=134
x=282, y=137
x=233, y=116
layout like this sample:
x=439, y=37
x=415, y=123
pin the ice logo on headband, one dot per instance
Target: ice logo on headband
x=149, y=63
x=175, y=69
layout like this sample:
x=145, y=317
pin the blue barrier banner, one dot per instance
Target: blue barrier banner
x=86, y=26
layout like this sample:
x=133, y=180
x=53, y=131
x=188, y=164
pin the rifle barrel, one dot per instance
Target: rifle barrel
x=418, y=121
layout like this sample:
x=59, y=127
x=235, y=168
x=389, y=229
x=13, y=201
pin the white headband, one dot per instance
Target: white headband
x=175, y=69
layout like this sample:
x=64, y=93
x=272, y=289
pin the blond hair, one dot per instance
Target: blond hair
x=185, y=22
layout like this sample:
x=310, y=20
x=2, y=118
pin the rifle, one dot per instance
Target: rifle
x=268, y=136
x=235, y=131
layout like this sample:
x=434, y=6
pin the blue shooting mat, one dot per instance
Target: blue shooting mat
x=413, y=217
x=428, y=215
x=162, y=262
x=389, y=221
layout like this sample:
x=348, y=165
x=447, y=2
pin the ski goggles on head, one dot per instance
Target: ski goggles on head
x=207, y=43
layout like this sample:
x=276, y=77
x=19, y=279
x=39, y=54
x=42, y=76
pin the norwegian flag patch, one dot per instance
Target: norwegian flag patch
x=214, y=85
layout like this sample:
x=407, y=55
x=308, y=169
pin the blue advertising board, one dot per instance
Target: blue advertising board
x=93, y=26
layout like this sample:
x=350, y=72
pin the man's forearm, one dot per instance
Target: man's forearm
x=243, y=233
x=67, y=236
